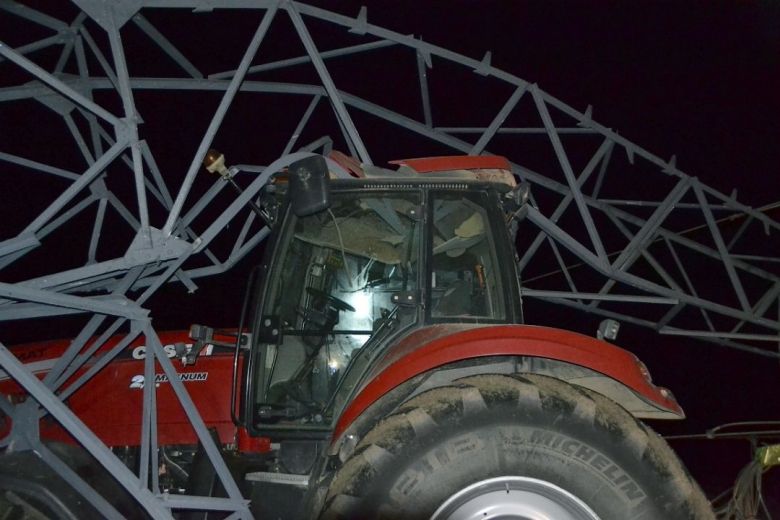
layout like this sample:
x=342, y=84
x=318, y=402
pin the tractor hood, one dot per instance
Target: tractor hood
x=110, y=403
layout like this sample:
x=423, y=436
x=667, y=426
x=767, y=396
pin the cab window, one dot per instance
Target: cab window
x=464, y=281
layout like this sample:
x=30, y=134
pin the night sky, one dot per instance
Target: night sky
x=695, y=79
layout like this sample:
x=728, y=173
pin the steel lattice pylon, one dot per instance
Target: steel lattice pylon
x=98, y=73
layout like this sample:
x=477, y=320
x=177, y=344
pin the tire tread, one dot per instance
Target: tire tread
x=531, y=393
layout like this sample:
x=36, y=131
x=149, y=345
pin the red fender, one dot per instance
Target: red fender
x=438, y=345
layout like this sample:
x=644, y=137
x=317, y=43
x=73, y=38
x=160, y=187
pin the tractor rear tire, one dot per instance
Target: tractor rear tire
x=522, y=446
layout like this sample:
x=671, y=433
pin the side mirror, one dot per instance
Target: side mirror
x=521, y=193
x=203, y=336
x=516, y=204
x=309, y=186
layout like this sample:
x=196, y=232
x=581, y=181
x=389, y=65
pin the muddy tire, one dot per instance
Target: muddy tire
x=513, y=447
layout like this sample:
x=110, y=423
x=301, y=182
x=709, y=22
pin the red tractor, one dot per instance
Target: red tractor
x=386, y=371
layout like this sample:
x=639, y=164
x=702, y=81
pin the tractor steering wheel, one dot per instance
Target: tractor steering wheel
x=334, y=302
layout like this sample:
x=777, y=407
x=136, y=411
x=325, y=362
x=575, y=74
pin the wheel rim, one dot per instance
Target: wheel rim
x=513, y=498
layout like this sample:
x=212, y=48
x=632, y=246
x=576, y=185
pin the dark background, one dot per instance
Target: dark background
x=695, y=79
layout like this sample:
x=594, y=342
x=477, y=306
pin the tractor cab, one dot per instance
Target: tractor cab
x=382, y=256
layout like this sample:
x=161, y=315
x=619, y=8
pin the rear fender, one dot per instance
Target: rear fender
x=436, y=356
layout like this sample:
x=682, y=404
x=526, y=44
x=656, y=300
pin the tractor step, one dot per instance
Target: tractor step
x=278, y=478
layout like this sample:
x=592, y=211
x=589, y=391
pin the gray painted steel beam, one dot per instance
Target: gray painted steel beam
x=17, y=292
x=559, y=210
x=427, y=51
x=99, y=364
x=301, y=125
x=589, y=258
x=425, y=96
x=33, y=15
x=77, y=428
x=73, y=349
x=35, y=165
x=216, y=120
x=73, y=479
x=280, y=64
x=333, y=94
x=599, y=296
x=19, y=243
x=56, y=84
x=155, y=349
x=724, y=252
x=569, y=174
x=88, y=176
x=165, y=44
x=715, y=334
x=491, y=130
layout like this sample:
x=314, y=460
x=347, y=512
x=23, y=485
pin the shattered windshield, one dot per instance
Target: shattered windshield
x=332, y=287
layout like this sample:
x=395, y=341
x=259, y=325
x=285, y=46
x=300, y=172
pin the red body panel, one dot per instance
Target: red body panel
x=439, y=345
x=110, y=403
x=456, y=162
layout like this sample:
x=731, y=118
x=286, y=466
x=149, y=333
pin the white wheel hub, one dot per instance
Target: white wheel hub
x=514, y=498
